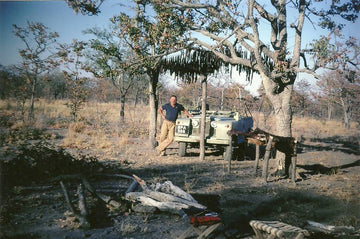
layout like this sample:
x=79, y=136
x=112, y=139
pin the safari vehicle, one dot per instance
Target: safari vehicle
x=217, y=126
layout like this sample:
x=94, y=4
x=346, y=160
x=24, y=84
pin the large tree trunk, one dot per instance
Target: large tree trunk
x=203, y=117
x=153, y=102
x=283, y=115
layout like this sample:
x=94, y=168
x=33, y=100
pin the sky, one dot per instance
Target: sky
x=57, y=16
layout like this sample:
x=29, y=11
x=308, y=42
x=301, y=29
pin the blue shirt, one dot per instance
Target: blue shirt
x=172, y=112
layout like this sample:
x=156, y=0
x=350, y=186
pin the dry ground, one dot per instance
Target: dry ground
x=327, y=191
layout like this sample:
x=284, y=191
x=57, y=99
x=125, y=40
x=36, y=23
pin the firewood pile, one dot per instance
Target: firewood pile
x=81, y=212
x=165, y=197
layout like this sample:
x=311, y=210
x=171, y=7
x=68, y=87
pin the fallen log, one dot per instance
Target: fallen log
x=83, y=213
x=173, y=200
x=173, y=207
x=30, y=189
x=317, y=227
x=104, y=198
x=141, y=182
x=82, y=207
x=132, y=186
x=169, y=188
x=163, y=198
x=67, y=198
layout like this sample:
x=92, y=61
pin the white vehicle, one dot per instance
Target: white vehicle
x=217, y=126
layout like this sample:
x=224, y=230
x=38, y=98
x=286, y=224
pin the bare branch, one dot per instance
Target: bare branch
x=298, y=34
x=257, y=50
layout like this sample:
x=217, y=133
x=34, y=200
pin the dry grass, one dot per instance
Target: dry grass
x=189, y=184
x=124, y=139
x=313, y=128
x=99, y=123
x=309, y=127
x=100, y=127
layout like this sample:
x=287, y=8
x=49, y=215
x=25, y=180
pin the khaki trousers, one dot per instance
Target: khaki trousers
x=166, y=135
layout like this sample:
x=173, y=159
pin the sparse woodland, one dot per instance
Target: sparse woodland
x=80, y=112
x=36, y=157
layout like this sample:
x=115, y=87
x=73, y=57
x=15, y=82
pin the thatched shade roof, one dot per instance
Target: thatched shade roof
x=189, y=64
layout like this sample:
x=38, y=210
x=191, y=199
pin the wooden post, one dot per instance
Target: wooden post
x=266, y=158
x=203, y=116
x=230, y=157
x=293, y=163
x=257, y=156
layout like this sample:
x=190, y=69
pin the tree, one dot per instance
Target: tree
x=151, y=31
x=326, y=95
x=300, y=99
x=344, y=93
x=37, y=55
x=56, y=85
x=110, y=59
x=185, y=90
x=6, y=80
x=341, y=57
x=73, y=69
x=220, y=80
x=14, y=85
x=151, y=37
x=236, y=33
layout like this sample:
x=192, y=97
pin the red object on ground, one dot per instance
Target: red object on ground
x=204, y=220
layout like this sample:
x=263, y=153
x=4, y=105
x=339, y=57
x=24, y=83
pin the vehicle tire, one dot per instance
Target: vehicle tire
x=182, y=149
x=227, y=152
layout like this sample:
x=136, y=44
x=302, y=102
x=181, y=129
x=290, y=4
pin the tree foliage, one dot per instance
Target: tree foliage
x=110, y=59
x=37, y=56
x=300, y=100
x=335, y=52
x=337, y=89
x=76, y=80
x=151, y=32
x=89, y=7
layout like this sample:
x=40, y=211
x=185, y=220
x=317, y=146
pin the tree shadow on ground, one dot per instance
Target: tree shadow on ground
x=194, y=152
x=321, y=169
x=349, y=145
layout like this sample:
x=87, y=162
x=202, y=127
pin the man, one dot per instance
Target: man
x=172, y=110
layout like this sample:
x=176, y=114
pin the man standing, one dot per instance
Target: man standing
x=172, y=110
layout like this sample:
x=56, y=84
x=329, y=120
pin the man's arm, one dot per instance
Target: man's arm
x=188, y=114
x=161, y=112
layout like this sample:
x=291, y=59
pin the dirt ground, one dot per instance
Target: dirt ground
x=326, y=191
